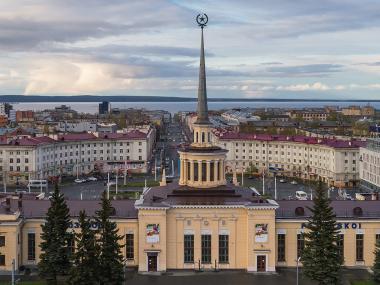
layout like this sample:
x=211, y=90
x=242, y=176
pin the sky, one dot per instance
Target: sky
x=299, y=49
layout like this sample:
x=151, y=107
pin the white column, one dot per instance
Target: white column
x=216, y=169
x=191, y=171
x=208, y=171
x=200, y=171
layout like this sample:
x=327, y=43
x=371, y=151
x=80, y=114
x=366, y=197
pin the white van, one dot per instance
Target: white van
x=37, y=183
x=301, y=195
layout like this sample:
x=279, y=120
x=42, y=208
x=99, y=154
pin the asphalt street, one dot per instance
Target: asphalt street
x=175, y=135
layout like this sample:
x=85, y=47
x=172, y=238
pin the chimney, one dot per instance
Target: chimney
x=19, y=204
x=8, y=201
x=7, y=208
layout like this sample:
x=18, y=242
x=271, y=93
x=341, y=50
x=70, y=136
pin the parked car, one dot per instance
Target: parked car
x=348, y=197
x=84, y=180
x=294, y=182
x=130, y=176
x=112, y=183
x=250, y=177
x=20, y=191
x=92, y=178
x=282, y=180
x=121, y=176
x=78, y=181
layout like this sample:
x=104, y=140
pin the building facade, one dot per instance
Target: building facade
x=74, y=154
x=369, y=161
x=335, y=161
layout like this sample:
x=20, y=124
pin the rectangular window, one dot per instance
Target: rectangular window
x=212, y=171
x=340, y=245
x=2, y=240
x=204, y=171
x=71, y=244
x=300, y=245
x=31, y=246
x=281, y=247
x=206, y=248
x=129, y=246
x=377, y=238
x=359, y=247
x=196, y=171
x=2, y=259
x=223, y=248
x=189, y=248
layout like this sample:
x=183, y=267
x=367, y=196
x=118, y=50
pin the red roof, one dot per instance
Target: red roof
x=301, y=139
x=71, y=137
x=133, y=134
x=74, y=137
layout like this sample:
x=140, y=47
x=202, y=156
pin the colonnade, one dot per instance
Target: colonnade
x=198, y=171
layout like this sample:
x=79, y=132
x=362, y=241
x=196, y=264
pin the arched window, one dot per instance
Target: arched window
x=203, y=137
x=196, y=137
x=300, y=211
x=209, y=137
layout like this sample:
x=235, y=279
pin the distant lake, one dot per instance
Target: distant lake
x=174, y=107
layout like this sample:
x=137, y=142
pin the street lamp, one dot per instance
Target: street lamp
x=298, y=261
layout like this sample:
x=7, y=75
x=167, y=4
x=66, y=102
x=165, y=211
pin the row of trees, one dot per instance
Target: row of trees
x=320, y=257
x=98, y=257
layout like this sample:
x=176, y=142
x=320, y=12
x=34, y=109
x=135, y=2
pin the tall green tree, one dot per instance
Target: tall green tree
x=376, y=264
x=111, y=258
x=320, y=257
x=55, y=256
x=47, y=129
x=86, y=269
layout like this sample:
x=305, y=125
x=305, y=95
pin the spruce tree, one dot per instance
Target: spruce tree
x=86, y=269
x=320, y=257
x=111, y=258
x=55, y=256
x=376, y=264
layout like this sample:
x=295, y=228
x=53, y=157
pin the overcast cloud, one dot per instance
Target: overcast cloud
x=272, y=49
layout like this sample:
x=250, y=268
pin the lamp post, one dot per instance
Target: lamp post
x=298, y=260
x=275, y=187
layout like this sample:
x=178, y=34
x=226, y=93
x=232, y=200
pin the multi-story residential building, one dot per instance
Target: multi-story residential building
x=24, y=116
x=46, y=157
x=369, y=162
x=319, y=115
x=357, y=111
x=333, y=160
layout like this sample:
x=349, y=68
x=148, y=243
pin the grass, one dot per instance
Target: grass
x=125, y=195
x=141, y=184
x=362, y=283
x=30, y=283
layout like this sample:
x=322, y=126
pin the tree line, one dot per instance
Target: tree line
x=97, y=259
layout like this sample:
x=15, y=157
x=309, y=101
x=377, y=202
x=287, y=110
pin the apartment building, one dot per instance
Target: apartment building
x=369, y=162
x=335, y=161
x=46, y=157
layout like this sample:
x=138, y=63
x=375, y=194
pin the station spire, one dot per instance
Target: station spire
x=202, y=113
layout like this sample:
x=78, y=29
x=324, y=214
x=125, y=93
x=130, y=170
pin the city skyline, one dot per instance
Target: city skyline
x=276, y=49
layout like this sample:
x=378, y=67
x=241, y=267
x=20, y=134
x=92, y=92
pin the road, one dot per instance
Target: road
x=176, y=134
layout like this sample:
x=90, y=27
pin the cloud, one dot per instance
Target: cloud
x=271, y=63
x=311, y=70
x=264, y=88
x=300, y=87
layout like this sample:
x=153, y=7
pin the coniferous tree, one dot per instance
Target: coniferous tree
x=376, y=264
x=110, y=258
x=55, y=256
x=320, y=257
x=86, y=263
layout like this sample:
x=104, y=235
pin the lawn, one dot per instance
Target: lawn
x=362, y=283
x=141, y=184
x=30, y=283
x=124, y=195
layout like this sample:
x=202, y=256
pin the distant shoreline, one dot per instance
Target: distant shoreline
x=93, y=98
